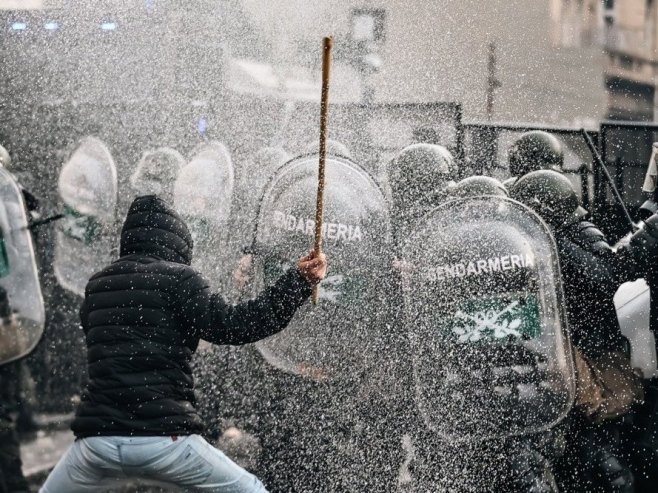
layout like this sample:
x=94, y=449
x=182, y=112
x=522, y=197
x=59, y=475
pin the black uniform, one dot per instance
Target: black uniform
x=143, y=317
x=592, y=273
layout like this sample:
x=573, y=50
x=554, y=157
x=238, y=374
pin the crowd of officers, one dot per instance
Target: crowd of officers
x=612, y=440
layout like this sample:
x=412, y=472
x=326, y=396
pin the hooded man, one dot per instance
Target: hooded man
x=143, y=317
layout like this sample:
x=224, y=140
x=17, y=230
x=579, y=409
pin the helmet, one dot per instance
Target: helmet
x=534, y=151
x=5, y=158
x=551, y=195
x=474, y=186
x=334, y=148
x=418, y=173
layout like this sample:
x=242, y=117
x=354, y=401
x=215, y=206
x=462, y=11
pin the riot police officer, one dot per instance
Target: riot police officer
x=592, y=271
x=420, y=176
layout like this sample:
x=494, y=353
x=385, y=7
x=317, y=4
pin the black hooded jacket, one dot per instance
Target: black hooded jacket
x=143, y=317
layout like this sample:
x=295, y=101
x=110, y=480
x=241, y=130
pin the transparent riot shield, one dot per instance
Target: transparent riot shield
x=21, y=304
x=203, y=193
x=329, y=341
x=487, y=327
x=88, y=189
x=156, y=173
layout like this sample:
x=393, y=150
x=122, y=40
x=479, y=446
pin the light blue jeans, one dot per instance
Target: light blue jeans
x=189, y=462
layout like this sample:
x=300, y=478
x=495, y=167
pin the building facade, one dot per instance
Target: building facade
x=439, y=51
x=630, y=39
x=547, y=66
x=627, y=30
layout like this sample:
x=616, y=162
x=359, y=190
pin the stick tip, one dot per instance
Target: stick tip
x=328, y=41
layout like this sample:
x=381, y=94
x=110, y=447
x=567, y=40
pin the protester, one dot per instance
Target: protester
x=143, y=317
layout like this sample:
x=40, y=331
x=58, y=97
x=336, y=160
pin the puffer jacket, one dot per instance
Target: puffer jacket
x=143, y=317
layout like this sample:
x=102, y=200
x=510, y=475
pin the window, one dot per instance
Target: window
x=609, y=4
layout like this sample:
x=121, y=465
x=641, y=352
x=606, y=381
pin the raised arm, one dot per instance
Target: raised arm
x=209, y=317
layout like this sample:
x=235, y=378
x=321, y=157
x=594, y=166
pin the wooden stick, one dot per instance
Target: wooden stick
x=327, y=45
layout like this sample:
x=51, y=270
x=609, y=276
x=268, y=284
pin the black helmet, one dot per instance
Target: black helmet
x=551, y=195
x=5, y=158
x=474, y=186
x=534, y=151
x=418, y=173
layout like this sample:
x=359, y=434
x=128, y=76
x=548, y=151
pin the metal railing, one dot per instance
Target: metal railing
x=486, y=146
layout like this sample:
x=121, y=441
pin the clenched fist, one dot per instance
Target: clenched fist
x=314, y=269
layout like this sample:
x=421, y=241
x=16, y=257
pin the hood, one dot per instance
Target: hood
x=152, y=227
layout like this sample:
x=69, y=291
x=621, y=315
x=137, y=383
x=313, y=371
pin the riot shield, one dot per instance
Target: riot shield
x=329, y=341
x=88, y=189
x=156, y=173
x=202, y=195
x=487, y=327
x=21, y=304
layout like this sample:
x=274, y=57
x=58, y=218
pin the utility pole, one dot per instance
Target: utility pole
x=492, y=81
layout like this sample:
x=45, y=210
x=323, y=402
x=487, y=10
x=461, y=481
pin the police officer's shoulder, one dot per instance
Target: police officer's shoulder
x=589, y=230
x=587, y=235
